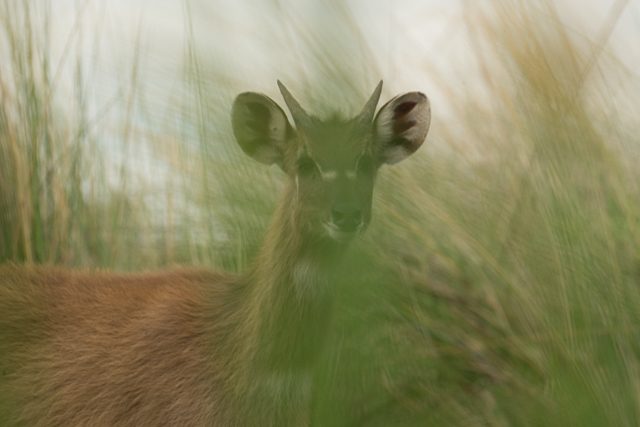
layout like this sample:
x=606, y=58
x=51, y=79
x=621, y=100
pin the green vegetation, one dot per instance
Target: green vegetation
x=499, y=283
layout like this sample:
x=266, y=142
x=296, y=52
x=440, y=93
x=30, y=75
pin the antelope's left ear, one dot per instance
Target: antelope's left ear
x=401, y=126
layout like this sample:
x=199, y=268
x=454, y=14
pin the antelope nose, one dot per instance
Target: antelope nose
x=346, y=218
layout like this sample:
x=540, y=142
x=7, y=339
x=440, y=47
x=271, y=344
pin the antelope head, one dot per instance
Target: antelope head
x=332, y=163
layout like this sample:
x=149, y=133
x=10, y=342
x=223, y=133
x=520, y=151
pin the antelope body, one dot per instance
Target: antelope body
x=200, y=348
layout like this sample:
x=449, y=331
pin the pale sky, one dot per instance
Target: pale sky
x=252, y=43
x=411, y=44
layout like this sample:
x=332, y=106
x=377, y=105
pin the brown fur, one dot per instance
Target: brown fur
x=183, y=347
x=108, y=349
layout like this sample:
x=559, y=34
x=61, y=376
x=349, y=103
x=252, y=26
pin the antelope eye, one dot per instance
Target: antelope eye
x=307, y=167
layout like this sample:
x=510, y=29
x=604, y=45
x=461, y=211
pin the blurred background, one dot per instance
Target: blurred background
x=499, y=283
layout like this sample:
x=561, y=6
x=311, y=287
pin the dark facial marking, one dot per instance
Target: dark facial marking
x=307, y=167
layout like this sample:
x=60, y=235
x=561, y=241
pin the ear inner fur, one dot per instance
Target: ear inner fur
x=260, y=126
x=401, y=126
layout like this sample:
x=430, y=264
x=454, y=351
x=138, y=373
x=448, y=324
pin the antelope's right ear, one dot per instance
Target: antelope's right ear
x=401, y=126
x=260, y=127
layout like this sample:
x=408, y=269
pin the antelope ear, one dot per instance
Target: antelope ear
x=260, y=127
x=401, y=126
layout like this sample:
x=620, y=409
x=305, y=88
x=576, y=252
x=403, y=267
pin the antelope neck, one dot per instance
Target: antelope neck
x=291, y=293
